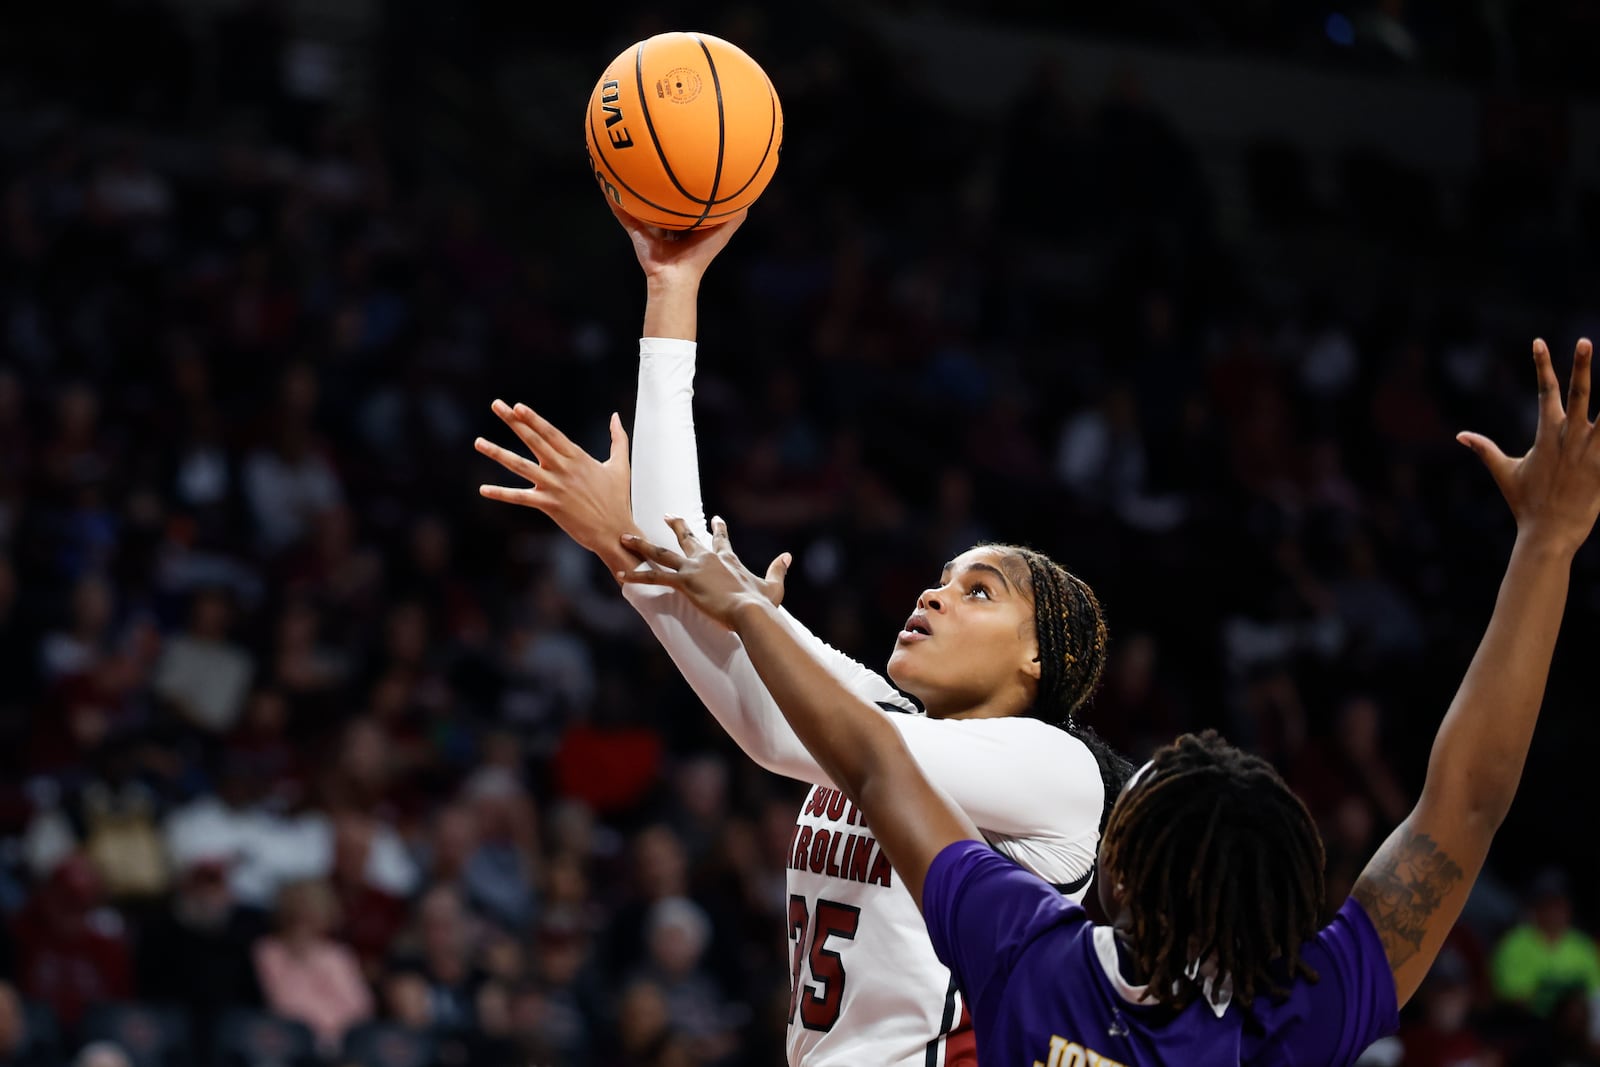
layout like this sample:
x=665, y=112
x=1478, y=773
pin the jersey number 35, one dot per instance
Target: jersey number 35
x=819, y=1006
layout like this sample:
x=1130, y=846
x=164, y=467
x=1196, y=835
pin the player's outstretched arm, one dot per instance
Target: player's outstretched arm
x=666, y=470
x=1035, y=790
x=667, y=478
x=666, y=481
x=588, y=500
x=1414, y=888
x=859, y=749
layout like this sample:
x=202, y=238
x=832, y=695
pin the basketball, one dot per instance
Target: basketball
x=683, y=130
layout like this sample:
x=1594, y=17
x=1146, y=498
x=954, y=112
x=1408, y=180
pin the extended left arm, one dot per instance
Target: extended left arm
x=1415, y=886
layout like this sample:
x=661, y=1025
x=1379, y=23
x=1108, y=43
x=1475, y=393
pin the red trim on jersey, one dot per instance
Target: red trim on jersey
x=956, y=1045
x=961, y=1044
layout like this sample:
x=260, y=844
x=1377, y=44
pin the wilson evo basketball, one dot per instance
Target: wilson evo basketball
x=683, y=130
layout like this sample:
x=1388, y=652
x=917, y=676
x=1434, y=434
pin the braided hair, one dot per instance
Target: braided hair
x=1070, y=629
x=1218, y=861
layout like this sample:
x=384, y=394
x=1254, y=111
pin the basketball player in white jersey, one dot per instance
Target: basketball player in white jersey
x=1000, y=653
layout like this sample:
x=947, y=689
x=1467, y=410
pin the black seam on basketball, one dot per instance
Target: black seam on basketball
x=644, y=105
x=772, y=133
x=722, y=129
x=631, y=191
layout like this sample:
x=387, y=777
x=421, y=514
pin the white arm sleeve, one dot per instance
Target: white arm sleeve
x=666, y=480
x=1016, y=778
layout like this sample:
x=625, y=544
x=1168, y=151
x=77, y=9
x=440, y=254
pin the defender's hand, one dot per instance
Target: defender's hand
x=1553, y=490
x=714, y=579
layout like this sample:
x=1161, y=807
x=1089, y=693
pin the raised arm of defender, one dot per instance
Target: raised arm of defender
x=1414, y=888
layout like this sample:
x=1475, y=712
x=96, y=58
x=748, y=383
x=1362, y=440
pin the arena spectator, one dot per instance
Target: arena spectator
x=1538, y=961
x=501, y=874
x=72, y=950
x=1442, y=1034
x=196, y=953
x=307, y=976
x=678, y=935
x=371, y=890
x=202, y=673
x=443, y=953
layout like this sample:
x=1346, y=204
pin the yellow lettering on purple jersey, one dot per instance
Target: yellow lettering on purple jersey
x=1064, y=1053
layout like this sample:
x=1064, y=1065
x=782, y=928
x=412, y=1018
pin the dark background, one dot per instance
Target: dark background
x=1191, y=296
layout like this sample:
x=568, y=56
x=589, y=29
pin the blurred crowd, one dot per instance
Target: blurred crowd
x=1496, y=41
x=309, y=755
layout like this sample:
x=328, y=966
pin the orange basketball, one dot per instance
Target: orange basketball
x=683, y=130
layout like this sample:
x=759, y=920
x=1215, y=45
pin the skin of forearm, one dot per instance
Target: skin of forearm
x=671, y=306
x=1483, y=741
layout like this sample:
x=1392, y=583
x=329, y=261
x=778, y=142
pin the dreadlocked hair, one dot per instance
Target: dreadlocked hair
x=1070, y=629
x=1220, y=866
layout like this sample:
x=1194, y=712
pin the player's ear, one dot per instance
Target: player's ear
x=1030, y=664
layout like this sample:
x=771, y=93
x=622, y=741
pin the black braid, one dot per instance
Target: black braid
x=1070, y=629
x=1217, y=860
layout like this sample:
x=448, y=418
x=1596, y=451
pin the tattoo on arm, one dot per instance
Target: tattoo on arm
x=1401, y=889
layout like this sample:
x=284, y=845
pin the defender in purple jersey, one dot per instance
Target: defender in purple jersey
x=1213, y=956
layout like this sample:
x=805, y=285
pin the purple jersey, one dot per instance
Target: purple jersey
x=1044, y=987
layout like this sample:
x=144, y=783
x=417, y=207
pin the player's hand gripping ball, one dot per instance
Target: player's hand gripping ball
x=683, y=130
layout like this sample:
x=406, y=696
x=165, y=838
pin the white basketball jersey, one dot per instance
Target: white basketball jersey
x=865, y=985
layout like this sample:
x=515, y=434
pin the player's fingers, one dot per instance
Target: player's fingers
x=651, y=575
x=778, y=569
x=558, y=442
x=619, y=438
x=686, y=538
x=1498, y=462
x=541, y=447
x=719, y=535
x=1550, y=413
x=645, y=236
x=1578, y=388
x=727, y=229
x=521, y=466
x=777, y=574
x=652, y=553
x=525, y=498
x=629, y=223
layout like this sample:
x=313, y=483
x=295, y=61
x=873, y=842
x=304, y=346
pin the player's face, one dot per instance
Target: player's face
x=969, y=648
